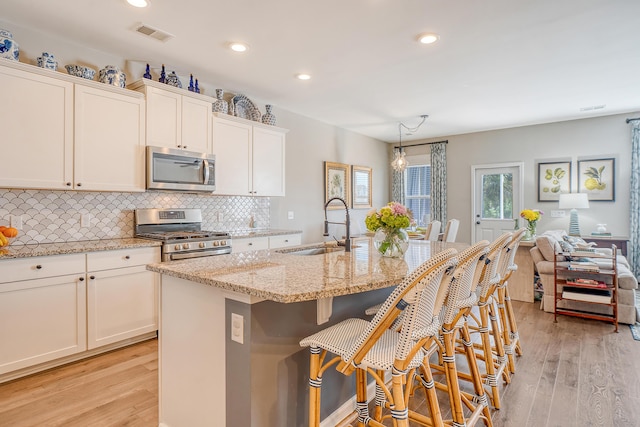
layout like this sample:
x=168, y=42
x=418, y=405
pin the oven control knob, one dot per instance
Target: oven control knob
x=223, y=243
x=216, y=243
x=202, y=245
x=176, y=247
x=185, y=246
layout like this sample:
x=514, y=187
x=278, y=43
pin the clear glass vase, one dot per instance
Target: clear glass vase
x=530, y=233
x=391, y=242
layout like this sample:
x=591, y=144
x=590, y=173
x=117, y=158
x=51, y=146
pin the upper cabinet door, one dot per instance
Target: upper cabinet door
x=164, y=118
x=232, y=147
x=36, y=131
x=109, y=141
x=196, y=125
x=268, y=162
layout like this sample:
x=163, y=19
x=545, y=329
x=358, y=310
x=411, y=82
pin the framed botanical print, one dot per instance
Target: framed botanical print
x=361, y=187
x=597, y=179
x=337, y=183
x=554, y=178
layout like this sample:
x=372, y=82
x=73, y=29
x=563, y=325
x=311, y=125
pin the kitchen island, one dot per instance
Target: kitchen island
x=230, y=327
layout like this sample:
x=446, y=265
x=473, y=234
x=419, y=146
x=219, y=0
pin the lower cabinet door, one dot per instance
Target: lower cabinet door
x=41, y=320
x=121, y=303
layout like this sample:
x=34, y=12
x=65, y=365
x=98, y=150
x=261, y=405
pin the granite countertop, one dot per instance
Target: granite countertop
x=261, y=232
x=44, y=249
x=282, y=276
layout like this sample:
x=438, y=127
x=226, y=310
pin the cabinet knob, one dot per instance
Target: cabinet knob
x=38, y=267
x=250, y=244
x=68, y=184
x=79, y=184
x=81, y=279
x=184, y=146
x=286, y=240
x=127, y=257
x=92, y=277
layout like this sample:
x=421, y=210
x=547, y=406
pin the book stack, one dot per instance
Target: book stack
x=587, y=283
x=602, y=296
x=583, y=266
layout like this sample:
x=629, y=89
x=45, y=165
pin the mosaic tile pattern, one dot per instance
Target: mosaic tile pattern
x=54, y=216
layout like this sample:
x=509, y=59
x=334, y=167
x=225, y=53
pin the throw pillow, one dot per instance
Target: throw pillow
x=566, y=246
x=577, y=242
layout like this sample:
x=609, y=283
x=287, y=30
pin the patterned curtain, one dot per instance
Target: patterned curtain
x=397, y=186
x=439, y=182
x=634, y=215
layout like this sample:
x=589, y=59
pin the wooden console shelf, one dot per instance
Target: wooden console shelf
x=586, y=283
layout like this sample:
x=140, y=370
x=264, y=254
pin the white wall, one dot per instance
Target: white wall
x=599, y=137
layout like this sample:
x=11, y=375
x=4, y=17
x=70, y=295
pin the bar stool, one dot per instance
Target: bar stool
x=369, y=348
x=460, y=299
x=491, y=350
x=510, y=335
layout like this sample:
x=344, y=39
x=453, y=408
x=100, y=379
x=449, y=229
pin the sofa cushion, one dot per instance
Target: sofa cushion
x=548, y=246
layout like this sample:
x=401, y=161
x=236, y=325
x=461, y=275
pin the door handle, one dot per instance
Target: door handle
x=477, y=222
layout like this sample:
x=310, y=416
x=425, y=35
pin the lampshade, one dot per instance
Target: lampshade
x=574, y=201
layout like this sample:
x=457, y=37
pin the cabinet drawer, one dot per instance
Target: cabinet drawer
x=13, y=270
x=250, y=244
x=122, y=258
x=285, y=241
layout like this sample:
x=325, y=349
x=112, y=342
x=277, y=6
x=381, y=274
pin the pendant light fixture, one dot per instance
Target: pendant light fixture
x=400, y=163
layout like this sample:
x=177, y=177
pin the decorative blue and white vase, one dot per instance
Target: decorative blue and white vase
x=268, y=117
x=80, y=71
x=147, y=73
x=173, y=80
x=220, y=105
x=112, y=75
x=47, y=61
x=8, y=47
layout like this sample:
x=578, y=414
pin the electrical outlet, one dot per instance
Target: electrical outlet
x=237, y=328
x=85, y=220
x=558, y=214
x=290, y=215
x=15, y=221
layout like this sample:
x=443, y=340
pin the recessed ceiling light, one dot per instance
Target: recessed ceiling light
x=238, y=47
x=428, y=38
x=138, y=3
x=303, y=76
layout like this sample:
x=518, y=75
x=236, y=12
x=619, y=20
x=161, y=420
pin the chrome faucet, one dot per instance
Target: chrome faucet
x=347, y=223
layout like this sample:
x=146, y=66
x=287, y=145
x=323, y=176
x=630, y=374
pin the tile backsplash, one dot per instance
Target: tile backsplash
x=54, y=216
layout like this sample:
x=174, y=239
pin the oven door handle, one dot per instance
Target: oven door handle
x=205, y=164
x=199, y=254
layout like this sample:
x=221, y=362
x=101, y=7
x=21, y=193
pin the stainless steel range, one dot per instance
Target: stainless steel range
x=180, y=233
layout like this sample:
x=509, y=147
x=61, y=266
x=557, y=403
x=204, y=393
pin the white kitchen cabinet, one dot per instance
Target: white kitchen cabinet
x=285, y=240
x=42, y=310
x=176, y=119
x=122, y=295
x=249, y=157
x=64, y=132
x=37, y=129
x=109, y=141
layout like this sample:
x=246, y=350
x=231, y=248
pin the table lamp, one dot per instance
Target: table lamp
x=574, y=201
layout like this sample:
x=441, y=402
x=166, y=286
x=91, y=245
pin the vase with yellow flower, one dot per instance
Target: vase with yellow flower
x=389, y=223
x=532, y=216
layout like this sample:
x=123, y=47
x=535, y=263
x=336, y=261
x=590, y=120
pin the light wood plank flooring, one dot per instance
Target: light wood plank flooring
x=576, y=372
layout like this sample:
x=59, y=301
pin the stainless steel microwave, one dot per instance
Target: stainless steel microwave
x=179, y=170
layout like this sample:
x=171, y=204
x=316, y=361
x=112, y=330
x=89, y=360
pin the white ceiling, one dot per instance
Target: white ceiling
x=499, y=63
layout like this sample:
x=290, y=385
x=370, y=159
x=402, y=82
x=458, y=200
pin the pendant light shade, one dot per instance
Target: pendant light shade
x=400, y=163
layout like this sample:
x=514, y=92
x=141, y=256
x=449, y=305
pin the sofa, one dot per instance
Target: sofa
x=551, y=243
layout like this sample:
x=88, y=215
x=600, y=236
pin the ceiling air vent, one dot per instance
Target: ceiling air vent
x=153, y=32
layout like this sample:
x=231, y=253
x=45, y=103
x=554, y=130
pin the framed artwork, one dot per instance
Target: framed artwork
x=597, y=179
x=554, y=178
x=337, y=183
x=361, y=189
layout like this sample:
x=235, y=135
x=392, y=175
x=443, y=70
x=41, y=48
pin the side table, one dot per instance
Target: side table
x=606, y=242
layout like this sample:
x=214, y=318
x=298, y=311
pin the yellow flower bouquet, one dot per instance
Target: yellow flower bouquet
x=532, y=216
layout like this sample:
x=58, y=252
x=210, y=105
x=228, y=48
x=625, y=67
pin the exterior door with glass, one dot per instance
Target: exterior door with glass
x=497, y=199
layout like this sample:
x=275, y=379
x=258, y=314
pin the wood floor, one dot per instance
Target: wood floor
x=575, y=372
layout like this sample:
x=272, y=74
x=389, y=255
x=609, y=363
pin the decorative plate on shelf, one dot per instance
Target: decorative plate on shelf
x=243, y=107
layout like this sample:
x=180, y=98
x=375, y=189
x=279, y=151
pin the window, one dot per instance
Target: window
x=497, y=196
x=417, y=192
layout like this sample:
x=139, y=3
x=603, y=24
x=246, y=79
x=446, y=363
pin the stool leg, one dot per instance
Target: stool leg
x=498, y=346
x=490, y=368
x=475, y=374
x=399, y=411
x=381, y=398
x=315, y=382
x=426, y=378
x=362, y=406
x=506, y=336
x=515, y=337
x=451, y=375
